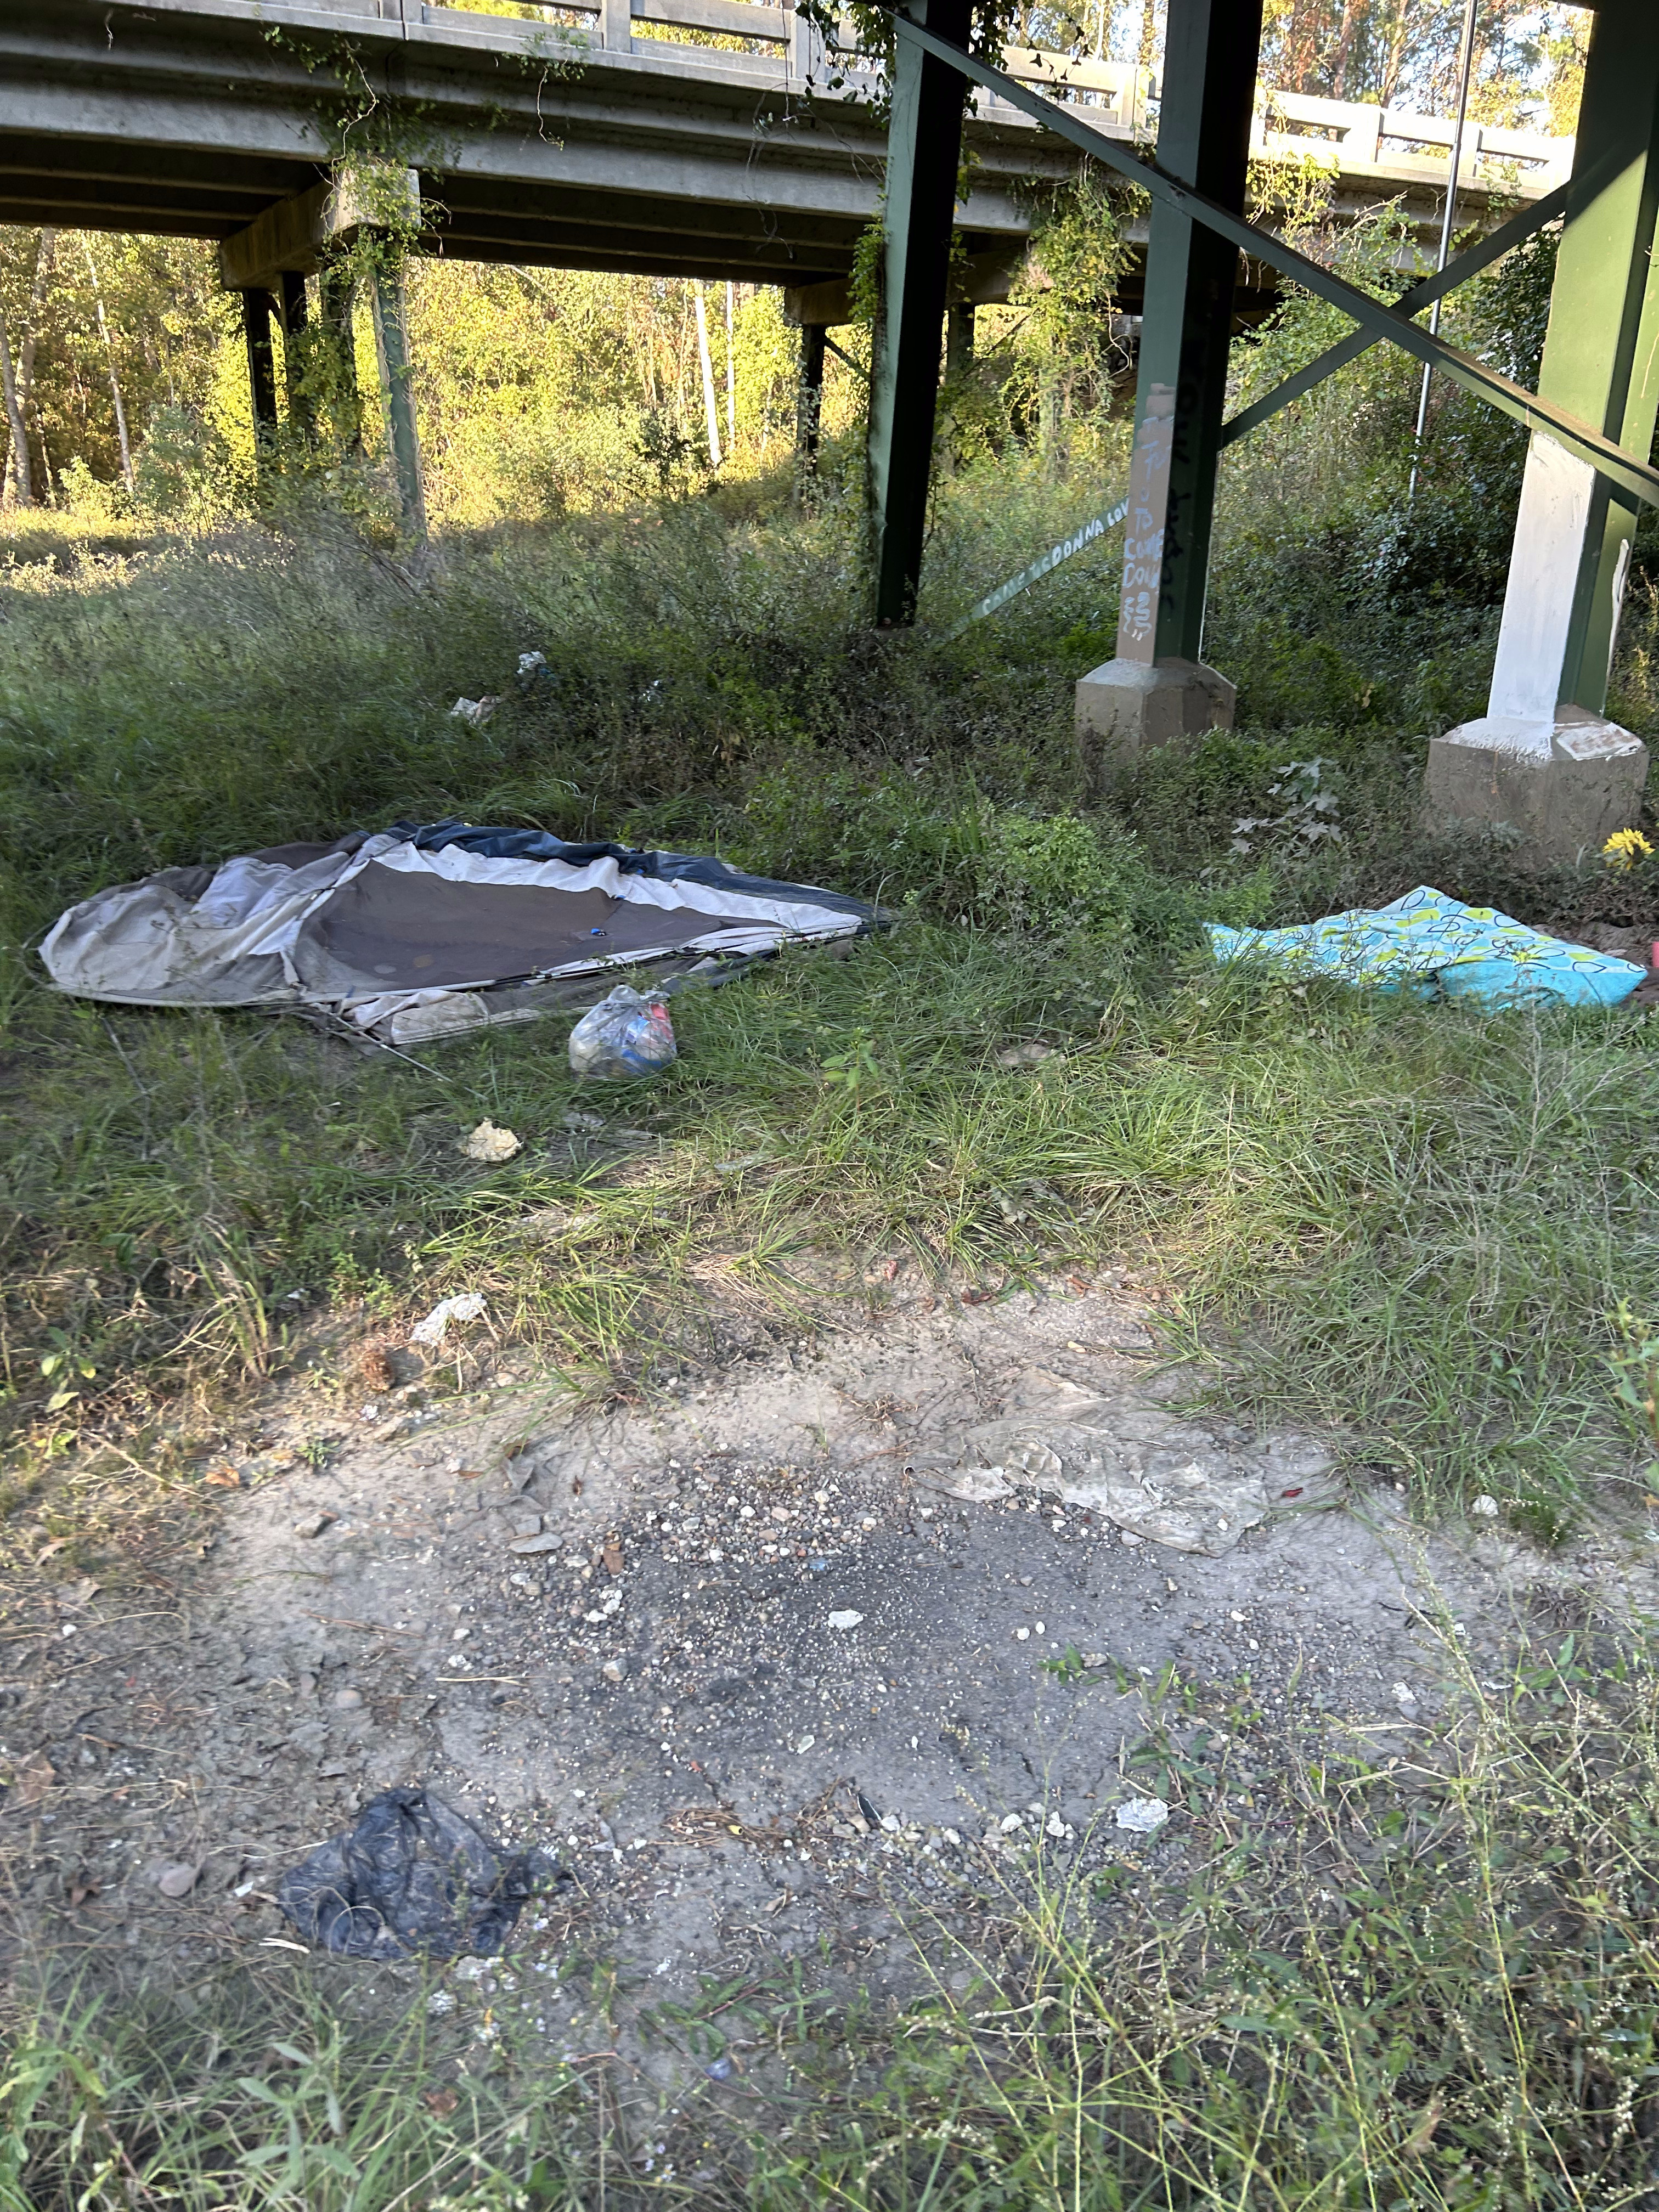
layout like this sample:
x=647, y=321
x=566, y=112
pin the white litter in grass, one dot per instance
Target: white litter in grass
x=469, y=1306
x=487, y=1142
x=1142, y=1816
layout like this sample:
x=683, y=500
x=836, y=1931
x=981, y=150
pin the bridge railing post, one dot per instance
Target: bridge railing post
x=1157, y=690
x=924, y=148
x=1544, y=757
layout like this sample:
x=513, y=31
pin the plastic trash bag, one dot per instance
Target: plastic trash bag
x=1428, y=942
x=624, y=1034
x=412, y=1876
x=469, y=1306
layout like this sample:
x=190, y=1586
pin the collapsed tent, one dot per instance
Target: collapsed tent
x=424, y=928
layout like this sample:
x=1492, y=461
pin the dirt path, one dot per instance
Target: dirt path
x=752, y=1663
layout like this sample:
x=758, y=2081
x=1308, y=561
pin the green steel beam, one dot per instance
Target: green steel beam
x=924, y=148
x=1211, y=53
x=1600, y=349
x=1632, y=473
x=1519, y=226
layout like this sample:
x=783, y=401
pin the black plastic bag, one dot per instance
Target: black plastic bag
x=413, y=1876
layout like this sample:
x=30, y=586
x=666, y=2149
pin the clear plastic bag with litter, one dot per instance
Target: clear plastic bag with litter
x=624, y=1034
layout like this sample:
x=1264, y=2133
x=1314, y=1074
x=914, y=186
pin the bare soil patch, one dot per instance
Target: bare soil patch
x=766, y=1686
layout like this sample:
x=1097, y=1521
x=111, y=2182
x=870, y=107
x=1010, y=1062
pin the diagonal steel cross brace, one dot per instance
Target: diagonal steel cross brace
x=1633, y=475
x=1493, y=247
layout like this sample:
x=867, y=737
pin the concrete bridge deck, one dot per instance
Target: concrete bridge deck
x=619, y=137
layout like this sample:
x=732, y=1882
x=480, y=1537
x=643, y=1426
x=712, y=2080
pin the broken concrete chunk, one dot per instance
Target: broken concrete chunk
x=1155, y=1478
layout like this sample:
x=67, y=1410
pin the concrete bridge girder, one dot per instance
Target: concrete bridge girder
x=187, y=117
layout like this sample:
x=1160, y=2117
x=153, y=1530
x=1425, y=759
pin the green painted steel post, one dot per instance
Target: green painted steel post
x=1601, y=362
x=392, y=347
x=1203, y=140
x=924, y=149
x=261, y=372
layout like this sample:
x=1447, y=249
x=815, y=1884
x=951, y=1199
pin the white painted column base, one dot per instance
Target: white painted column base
x=1566, y=784
x=1124, y=708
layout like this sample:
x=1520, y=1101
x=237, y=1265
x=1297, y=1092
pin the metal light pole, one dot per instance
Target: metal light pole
x=1465, y=70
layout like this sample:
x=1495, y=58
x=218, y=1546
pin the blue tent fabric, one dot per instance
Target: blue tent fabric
x=1428, y=942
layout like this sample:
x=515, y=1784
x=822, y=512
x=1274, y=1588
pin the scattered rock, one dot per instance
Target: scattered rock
x=528, y=1547
x=845, y=1620
x=1142, y=1816
x=347, y=1701
x=613, y=1670
x=313, y=1524
x=525, y=1524
x=35, y=1776
x=176, y=1880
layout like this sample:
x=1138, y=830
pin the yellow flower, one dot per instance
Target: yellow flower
x=1624, y=848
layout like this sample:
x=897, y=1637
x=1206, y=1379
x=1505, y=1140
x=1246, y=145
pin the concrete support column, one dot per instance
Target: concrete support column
x=334, y=298
x=392, y=349
x=809, y=399
x=261, y=372
x=1156, y=689
x=1544, y=758
x=959, y=339
x=294, y=316
x=923, y=147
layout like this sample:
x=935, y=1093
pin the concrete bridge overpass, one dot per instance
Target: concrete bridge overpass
x=718, y=138
x=620, y=137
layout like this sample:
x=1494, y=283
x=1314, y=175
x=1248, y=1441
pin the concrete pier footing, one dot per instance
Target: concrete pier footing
x=1127, y=707
x=1565, y=787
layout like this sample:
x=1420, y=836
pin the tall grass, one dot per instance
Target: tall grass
x=1410, y=1221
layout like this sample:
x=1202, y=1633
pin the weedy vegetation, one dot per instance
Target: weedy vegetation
x=1374, y=1977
